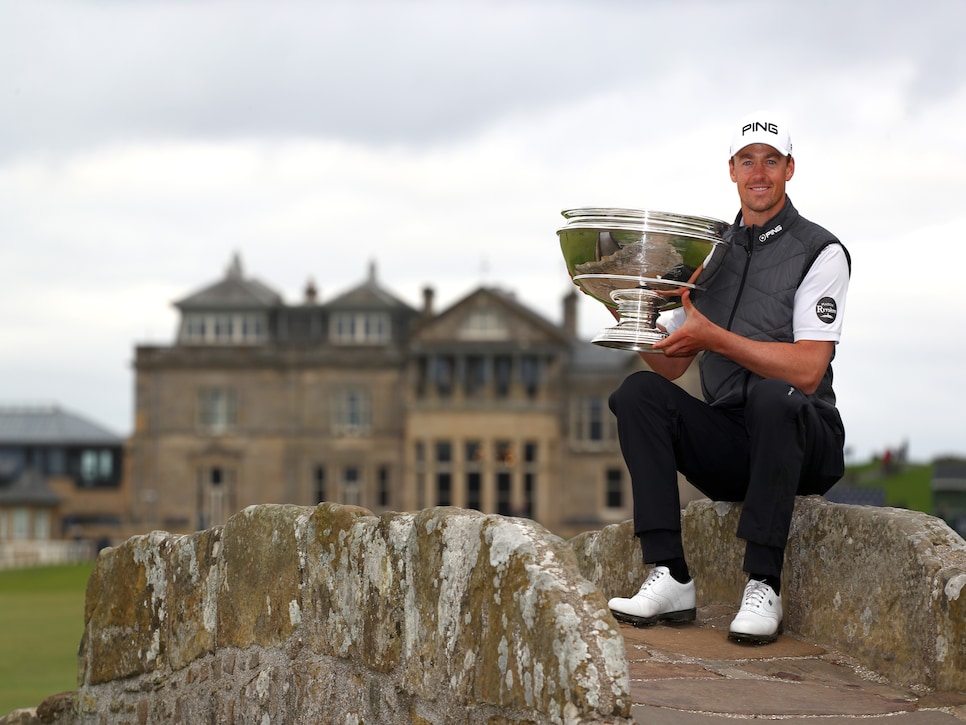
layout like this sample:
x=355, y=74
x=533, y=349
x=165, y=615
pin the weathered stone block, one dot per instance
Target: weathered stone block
x=193, y=597
x=883, y=584
x=887, y=586
x=332, y=614
x=259, y=597
x=714, y=552
x=611, y=559
x=502, y=602
x=125, y=610
x=462, y=610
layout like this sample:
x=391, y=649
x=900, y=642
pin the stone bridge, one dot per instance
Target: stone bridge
x=331, y=614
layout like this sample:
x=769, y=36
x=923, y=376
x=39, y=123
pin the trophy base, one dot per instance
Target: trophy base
x=636, y=330
x=630, y=336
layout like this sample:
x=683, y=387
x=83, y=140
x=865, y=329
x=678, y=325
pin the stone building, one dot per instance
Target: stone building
x=365, y=400
x=61, y=479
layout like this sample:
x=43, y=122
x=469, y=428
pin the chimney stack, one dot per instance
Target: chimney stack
x=570, y=314
x=311, y=292
x=428, y=295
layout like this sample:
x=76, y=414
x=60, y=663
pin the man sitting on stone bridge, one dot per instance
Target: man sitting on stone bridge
x=767, y=321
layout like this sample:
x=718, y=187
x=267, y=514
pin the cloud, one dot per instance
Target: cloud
x=150, y=141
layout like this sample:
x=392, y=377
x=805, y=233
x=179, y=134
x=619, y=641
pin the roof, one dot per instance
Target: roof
x=509, y=302
x=368, y=295
x=28, y=488
x=37, y=425
x=949, y=468
x=585, y=356
x=233, y=292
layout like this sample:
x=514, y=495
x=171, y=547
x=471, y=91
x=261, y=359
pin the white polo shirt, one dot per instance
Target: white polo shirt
x=819, y=301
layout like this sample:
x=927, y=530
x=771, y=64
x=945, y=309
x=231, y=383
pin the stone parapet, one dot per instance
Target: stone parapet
x=331, y=614
x=886, y=586
x=290, y=614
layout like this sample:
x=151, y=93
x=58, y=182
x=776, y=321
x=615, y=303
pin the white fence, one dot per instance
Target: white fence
x=19, y=554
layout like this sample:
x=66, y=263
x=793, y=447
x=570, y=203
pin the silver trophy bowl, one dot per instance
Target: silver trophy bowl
x=637, y=262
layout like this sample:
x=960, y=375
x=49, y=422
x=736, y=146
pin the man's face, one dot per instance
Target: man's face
x=760, y=172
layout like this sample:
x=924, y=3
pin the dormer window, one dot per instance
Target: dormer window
x=361, y=328
x=484, y=324
x=239, y=328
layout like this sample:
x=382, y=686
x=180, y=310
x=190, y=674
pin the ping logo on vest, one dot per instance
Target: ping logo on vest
x=770, y=233
x=826, y=310
x=759, y=126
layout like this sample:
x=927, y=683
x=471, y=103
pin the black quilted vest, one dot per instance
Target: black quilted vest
x=750, y=290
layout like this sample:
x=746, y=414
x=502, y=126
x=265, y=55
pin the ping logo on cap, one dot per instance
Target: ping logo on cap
x=759, y=126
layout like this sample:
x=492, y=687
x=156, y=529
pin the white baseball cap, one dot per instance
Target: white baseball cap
x=762, y=127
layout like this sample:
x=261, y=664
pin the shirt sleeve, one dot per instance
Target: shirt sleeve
x=820, y=299
x=819, y=302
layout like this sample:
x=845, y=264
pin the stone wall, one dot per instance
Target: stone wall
x=885, y=586
x=330, y=614
x=302, y=615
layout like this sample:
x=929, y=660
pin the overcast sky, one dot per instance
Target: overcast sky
x=143, y=143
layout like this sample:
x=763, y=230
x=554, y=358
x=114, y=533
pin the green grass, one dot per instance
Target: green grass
x=909, y=488
x=906, y=487
x=41, y=623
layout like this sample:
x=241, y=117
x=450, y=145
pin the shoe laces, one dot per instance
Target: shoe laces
x=653, y=577
x=755, y=593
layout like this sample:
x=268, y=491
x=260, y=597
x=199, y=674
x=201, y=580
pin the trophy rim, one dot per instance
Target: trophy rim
x=628, y=219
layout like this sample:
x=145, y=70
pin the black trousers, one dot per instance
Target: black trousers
x=781, y=444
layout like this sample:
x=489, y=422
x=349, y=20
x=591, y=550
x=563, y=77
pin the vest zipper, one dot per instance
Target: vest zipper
x=734, y=311
x=741, y=286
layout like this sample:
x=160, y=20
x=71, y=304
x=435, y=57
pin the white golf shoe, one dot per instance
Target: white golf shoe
x=759, y=620
x=661, y=599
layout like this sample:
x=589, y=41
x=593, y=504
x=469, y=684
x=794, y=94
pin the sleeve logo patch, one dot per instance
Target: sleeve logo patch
x=826, y=310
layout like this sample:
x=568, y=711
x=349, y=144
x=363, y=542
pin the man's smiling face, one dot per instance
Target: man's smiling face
x=760, y=172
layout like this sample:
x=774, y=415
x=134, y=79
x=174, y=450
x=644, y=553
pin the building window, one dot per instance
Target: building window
x=444, y=488
x=320, y=492
x=195, y=327
x=200, y=328
x=383, y=480
x=593, y=422
x=252, y=328
x=361, y=328
x=614, y=488
x=502, y=374
x=419, y=451
x=504, y=492
x=42, y=525
x=443, y=375
x=94, y=467
x=474, y=453
x=352, y=412
x=473, y=461
x=224, y=328
x=474, y=490
x=444, y=475
x=351, y=486
x=530, y=372
x=475, y=375
x=504, y=452
x=444, y=452
x=484, y=324
x=56, y=463
x=529, y=477
x=21, y=523
x=217, y=409
x=215, y=495
x=12, y=462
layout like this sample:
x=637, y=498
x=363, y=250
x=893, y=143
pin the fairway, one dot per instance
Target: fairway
x=41, y=623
